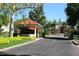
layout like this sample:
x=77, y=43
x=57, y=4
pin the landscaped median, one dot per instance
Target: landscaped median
x=12, y=41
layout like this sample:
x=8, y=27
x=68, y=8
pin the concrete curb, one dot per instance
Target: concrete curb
x=19, y=45
x=75, y=42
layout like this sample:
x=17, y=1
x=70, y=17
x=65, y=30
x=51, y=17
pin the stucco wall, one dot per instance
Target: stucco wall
x=5, y=28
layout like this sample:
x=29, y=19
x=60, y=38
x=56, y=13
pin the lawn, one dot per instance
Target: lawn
x=4, y=35
x=11, y=41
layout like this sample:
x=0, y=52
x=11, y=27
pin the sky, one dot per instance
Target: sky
x=55, y=11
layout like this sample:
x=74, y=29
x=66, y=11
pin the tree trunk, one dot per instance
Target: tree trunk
x=11, y=28
x=0, y=28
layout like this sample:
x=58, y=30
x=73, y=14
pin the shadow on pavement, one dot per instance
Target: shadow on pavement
x=6, y=54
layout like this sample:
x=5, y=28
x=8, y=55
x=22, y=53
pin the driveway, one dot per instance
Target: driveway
x=46, y=47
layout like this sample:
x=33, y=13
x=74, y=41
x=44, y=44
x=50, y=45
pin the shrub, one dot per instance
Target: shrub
x=45, y=32
x=9, y=40
x=73, y=33
x=14, y=34
x=71, y=30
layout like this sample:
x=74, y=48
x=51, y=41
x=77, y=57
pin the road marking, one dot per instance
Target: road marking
x=20, y=45
x=53, y=42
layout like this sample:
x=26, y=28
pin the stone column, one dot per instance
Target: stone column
x=35, y=32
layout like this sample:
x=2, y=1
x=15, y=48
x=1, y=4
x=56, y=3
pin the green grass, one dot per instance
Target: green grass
x=4, y=34
x=12, y=41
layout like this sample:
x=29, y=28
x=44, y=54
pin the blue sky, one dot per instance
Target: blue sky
x=55, y=11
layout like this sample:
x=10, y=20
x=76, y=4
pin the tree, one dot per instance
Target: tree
x=54, y=23
x=4, y=19
x=72, y=12
x=11, y=8
x=49, y=24
x=38, y=15
x=59, y=22
x=64, y=23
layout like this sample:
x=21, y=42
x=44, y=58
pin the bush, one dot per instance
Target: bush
x=73, y=33
x=45, y=33
x=72, y=30
x=5, y=32
x=15, y=34
x=9, y=40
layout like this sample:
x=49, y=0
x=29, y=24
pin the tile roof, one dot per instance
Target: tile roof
x=28, y=21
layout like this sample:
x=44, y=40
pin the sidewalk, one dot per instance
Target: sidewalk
x=57, y=35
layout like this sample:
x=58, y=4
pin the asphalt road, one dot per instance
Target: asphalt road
x=46, y=47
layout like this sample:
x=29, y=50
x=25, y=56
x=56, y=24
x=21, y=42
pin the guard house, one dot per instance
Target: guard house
x=29, y=27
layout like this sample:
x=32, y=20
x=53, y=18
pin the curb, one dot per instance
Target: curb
x=19, y=45
x=75, y=42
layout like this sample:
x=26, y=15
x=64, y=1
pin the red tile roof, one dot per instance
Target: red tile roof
x=28, y=21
